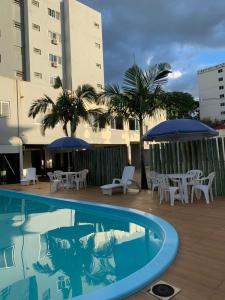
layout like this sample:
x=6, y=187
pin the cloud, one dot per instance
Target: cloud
x=175, y=75
x=177, y=32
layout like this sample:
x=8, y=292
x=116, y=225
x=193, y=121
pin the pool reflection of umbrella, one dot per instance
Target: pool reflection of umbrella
x=69, y=144
x=179, y=130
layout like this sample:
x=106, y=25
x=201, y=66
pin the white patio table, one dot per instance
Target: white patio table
x=68, y=175
x=183, y=177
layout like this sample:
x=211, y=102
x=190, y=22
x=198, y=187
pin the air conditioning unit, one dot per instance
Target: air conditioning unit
x=54, y=42
x=54, y=64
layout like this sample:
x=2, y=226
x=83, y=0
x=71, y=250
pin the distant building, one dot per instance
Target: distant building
x=211, y=84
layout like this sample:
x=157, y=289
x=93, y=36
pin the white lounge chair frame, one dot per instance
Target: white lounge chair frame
x=30, y=177
x=124, y=182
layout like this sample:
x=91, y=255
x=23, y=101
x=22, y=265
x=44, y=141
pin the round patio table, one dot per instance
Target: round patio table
x=183, y=177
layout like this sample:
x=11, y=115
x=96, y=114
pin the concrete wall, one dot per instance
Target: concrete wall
x=82, y=52
x=10, y=39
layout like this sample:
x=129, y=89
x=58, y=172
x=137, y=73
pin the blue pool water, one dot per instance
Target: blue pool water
x=54, y=249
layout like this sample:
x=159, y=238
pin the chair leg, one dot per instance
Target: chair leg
x=172, y=194
x=206, y=193
x=211, y=194
x=192, y=194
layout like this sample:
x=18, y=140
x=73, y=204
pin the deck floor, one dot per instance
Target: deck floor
x=199, y=268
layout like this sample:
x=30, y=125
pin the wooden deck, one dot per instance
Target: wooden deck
x=199, y=268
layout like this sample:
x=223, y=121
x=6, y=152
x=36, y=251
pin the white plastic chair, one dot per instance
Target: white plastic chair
x=175, y=192
x=54, y=183
x=205, y=188
x=30, y=177
x=196, y=176
x=124, y=182
x=83, y=178
x=154, y=182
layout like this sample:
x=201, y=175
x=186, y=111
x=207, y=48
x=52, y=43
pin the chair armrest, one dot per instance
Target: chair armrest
x=116, y=180
x=202, y=179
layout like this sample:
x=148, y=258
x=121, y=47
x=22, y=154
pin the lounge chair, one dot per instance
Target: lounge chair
x=30, y=177
x=124, y=182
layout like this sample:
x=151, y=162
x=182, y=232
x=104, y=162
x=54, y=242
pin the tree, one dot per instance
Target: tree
x=179, y=105
x=138, y=99
x=70, y=108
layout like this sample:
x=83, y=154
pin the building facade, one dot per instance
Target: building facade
x=211, y=84
x=40, y=40
x=43, y=39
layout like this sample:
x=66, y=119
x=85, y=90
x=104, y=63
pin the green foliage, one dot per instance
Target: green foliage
x=137, y=99
x=69, y=108
x=179, y=105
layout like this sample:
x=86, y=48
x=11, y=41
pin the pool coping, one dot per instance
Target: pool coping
x=142, y=277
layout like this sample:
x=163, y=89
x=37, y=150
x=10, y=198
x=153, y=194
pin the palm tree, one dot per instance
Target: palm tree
x=70, y=108
x=137, y=99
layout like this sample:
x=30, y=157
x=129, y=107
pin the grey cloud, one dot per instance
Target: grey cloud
x=171, y=31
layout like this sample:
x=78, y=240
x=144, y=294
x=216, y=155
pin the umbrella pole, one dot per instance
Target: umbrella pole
x=68, y=161
x=178, y=157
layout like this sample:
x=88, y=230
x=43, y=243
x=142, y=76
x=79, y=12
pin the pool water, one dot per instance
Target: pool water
x=51, y=249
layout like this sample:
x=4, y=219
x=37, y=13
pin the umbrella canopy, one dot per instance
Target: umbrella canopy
x=67, y=143
x=179, y=130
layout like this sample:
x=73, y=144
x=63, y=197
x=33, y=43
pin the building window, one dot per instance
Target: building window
x=117, y=123
x=17, y=2
x=4, y=111
x=46, y=295
x=54, y=37
x=63, y=282
x=98, y=65
x=19, y=74
x=37, y=51
x=97, y=45
x=36, y=27
x=38, y=75
x=221, y=96
x=221, y=87
x=17, y=25
x=222, y=112
x=52, y=80
x=220, y=79
x=96, y=25
x=222, y=104
x=7, y=257
x=220, y=70
x=133, y=124
x=54, y=14
x=35, y=3
x=99, y=86
x=55, y=60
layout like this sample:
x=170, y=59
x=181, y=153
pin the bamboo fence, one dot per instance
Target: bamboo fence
x=206, y=155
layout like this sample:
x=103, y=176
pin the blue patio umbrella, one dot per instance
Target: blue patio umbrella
x=69, y=144
x=178, y=130
x=66, y=143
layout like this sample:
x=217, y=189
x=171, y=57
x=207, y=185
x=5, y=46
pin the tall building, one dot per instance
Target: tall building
x=43, y=39
x=211, y=84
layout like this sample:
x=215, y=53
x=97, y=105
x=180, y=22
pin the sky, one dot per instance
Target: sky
x=187, y=34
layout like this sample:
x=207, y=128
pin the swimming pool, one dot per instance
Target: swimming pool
x=54, y=249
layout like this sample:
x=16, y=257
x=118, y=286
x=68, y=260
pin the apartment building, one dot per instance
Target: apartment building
x=43, y=39
x=211, y=85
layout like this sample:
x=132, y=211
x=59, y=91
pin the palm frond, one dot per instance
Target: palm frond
x=40, y=106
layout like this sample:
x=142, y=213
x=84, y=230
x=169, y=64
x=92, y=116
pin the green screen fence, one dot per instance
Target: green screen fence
x=103, y=164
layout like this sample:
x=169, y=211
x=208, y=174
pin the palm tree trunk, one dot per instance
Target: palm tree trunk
x=144, y=184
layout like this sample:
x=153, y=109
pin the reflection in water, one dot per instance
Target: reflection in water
x=49, y=252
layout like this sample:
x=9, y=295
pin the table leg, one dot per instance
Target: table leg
x=185, y=190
